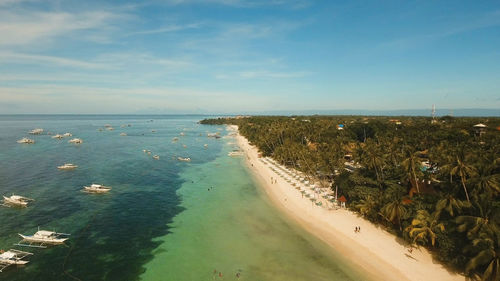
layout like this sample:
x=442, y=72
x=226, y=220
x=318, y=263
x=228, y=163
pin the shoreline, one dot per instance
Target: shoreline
x=373, y=249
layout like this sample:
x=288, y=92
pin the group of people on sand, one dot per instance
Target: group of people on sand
x=357, y=229
x=238, y=274
x=273, y=180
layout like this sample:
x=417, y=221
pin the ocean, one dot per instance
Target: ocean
x=164, y=219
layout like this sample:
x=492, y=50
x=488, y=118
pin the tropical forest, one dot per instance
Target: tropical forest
x=434, y=182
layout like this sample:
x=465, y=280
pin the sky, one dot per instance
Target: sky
x=230, y=56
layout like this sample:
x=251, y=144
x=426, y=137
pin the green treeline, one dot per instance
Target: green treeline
x=435, y=183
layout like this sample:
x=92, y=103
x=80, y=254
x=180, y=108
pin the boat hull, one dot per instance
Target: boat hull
x=7, y=200
x=34, y=239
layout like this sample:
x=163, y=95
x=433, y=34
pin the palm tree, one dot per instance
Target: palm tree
x=393, y=212
x=487, y=182
x=412, y=164
x=484, y=247
x=374, y=159
x=367, y=207
x=462, y=169
x=423, y=228
x=451, y=205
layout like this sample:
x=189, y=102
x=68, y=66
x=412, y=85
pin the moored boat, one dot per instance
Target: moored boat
x=67, y=166
x=12, y=257
x=76, y=140
x=26, y=140
x=16, y=200
x=36, y=131
x=42, y=238
x=97, y=188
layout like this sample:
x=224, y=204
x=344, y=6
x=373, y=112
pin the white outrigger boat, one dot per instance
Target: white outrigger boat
x=58, y=136
x=36, y=131
x=97, y=188
x=67, y=135
x=12, y=257
x=184, y=159
x=16, y=200
x=42, y=239
x=67, y=166
x=75, y=140
x=25, y=140
x=156, y=157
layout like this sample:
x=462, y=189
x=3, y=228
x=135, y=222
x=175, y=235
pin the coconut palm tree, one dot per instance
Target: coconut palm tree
x=411, y=164
x=485, y=181
x=393, y=212
x=460, y=167
x=423, y=228
x=374, y=159
x=484, y=246
x=451, y=205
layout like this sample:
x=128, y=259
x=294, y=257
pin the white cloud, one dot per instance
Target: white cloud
x=10, y=57
x=293, y=4
x=166, y=29
x=21, y=29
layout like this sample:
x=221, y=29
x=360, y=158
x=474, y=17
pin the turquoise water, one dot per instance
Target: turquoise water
x=163, y=220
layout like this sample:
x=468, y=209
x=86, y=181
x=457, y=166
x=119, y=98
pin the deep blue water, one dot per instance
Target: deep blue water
x=112, y=234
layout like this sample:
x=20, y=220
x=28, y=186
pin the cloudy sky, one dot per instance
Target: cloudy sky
x=219, y=56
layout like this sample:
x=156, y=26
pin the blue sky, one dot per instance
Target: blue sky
x=219, y=56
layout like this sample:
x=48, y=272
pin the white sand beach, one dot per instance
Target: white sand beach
x=375, y=250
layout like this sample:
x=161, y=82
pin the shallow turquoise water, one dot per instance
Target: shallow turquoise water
x=160, y=221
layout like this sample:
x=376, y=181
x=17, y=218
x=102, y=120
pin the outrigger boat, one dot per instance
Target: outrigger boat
x=36, y=131
x=67, y=166
x=12, y=257
x=16, y=200
x=25, y=140
x=184, y=159
x=97, y=188
x=42, y=239
x=75, y=140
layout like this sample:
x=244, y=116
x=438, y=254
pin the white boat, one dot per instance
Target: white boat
x=184, y=159
x=25, y=140
x=57, y=136
x=97, y=188
x=75, y=140
x=175, y=139
x=235, y=153
x=42, y=238
x=12, y=257
x=182, y=134
x=67, y=166
x=36, y=131
x=156, y=157
x=123, y=134
x=16, y=200
x=205, y=145
x=67, y=135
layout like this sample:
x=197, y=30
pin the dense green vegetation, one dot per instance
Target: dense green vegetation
x=435, y=183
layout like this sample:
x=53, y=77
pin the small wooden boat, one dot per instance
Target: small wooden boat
x=42, y=238
x=97, y=188
x=12, y=257
x=16, y=200
x=26, y=140
x=76, y=140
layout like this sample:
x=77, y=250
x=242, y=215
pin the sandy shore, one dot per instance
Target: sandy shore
x=375, y=250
